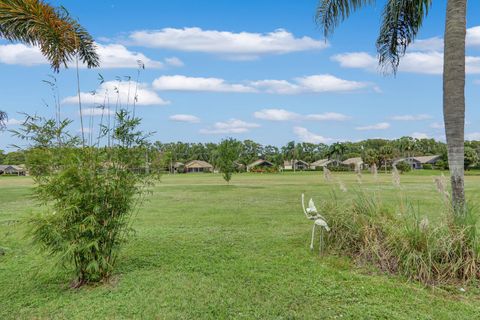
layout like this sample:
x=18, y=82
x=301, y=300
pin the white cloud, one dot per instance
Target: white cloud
x=276, y=86
x=241, y=45
x=276, y=115
x=21, y=54
x=285, y=115
x=184, y=83
x=437, y=125
x=429, y=44
x=97, y=112
x=473, y=36
x=358, y=60
x=419, y=135
x=111, y=56
x=377, y=126
x=184, y=118
x=118, y=56
x=328, y=83
x=126, y=95
x=430, y=62
x=472, y=136
x=230, y=126
x=174, y=62
x=13, y=122
x=306, y=136
x=411, y=117
x=327, y=116
x=310, y=84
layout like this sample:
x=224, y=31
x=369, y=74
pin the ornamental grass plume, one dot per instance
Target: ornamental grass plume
x=441, y=186
x=358, y=173
x=395, y=177
x=342, y=186
x=327, y=174
x=374, y=171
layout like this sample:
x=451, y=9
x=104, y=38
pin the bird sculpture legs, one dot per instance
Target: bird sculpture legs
x=321, y=239
x=313, y=236
x=320, y=247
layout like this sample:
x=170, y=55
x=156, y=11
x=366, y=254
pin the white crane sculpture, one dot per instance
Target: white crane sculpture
x=311, y=213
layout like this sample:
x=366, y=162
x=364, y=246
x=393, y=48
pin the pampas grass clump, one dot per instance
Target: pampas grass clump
x=405, y=244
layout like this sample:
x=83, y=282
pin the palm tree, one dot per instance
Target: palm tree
x=401, y=21
x=59, y=37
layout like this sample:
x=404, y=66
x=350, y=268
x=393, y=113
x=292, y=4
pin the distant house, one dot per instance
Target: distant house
x=354, y=162
x=12, y=170
x=295, y=165
x=324, y=163
x=260, y=163
x=197, y=166
x=178, y=167
x=240, y=167
x=418, y=162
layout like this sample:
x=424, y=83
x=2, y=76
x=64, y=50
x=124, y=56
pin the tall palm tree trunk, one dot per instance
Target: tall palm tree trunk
x=454, y=96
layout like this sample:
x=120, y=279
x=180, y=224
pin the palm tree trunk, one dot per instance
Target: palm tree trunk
x=454, y=96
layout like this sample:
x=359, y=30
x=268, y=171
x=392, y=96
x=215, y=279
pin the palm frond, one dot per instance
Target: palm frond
x=331, y=12
x=3, y=119
x=401, y=21
x=58, y=36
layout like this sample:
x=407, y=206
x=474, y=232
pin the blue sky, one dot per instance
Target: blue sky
x=248, y=69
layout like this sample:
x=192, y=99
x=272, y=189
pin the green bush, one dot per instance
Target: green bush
x=403, y=166
x=427, y=166
x=89, y=193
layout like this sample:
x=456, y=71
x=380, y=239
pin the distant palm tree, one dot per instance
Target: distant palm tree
x=401, y=21
x=59, y=37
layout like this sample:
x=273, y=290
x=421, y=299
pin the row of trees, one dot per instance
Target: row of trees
x=163, y=156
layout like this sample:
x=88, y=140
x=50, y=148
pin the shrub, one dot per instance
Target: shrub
x=89, y=193
x=427, y=166
x=227, y=152
x=405, y=243
x=403, y=166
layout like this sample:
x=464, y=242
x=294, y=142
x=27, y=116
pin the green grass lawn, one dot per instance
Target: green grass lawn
x=206, y=250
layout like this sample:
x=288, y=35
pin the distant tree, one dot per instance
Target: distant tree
x=228, y=152
x=14, y=157
x=370, y=157
x=471, y=158
x=337, y=150
x=386, y=154
x=2, y=156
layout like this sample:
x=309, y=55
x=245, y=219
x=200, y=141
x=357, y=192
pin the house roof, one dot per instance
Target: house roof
x=10, y=166
x=321, y=162
x=198, y=164
x=178, y=164
x=350, y=161
x=427, y=159
x=259, y=162
x=289, y=163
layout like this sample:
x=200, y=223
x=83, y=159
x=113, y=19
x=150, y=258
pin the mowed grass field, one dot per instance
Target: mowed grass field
x=207, y=250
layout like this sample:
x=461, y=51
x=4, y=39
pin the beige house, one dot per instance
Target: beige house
x=197, y=166
x=418, y=162
x=12, y=170
x=295, y=165
x=354, y=162
x=324, y=163
x=260, y=163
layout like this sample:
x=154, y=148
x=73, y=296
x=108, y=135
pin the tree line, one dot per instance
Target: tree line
x=381, y=152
